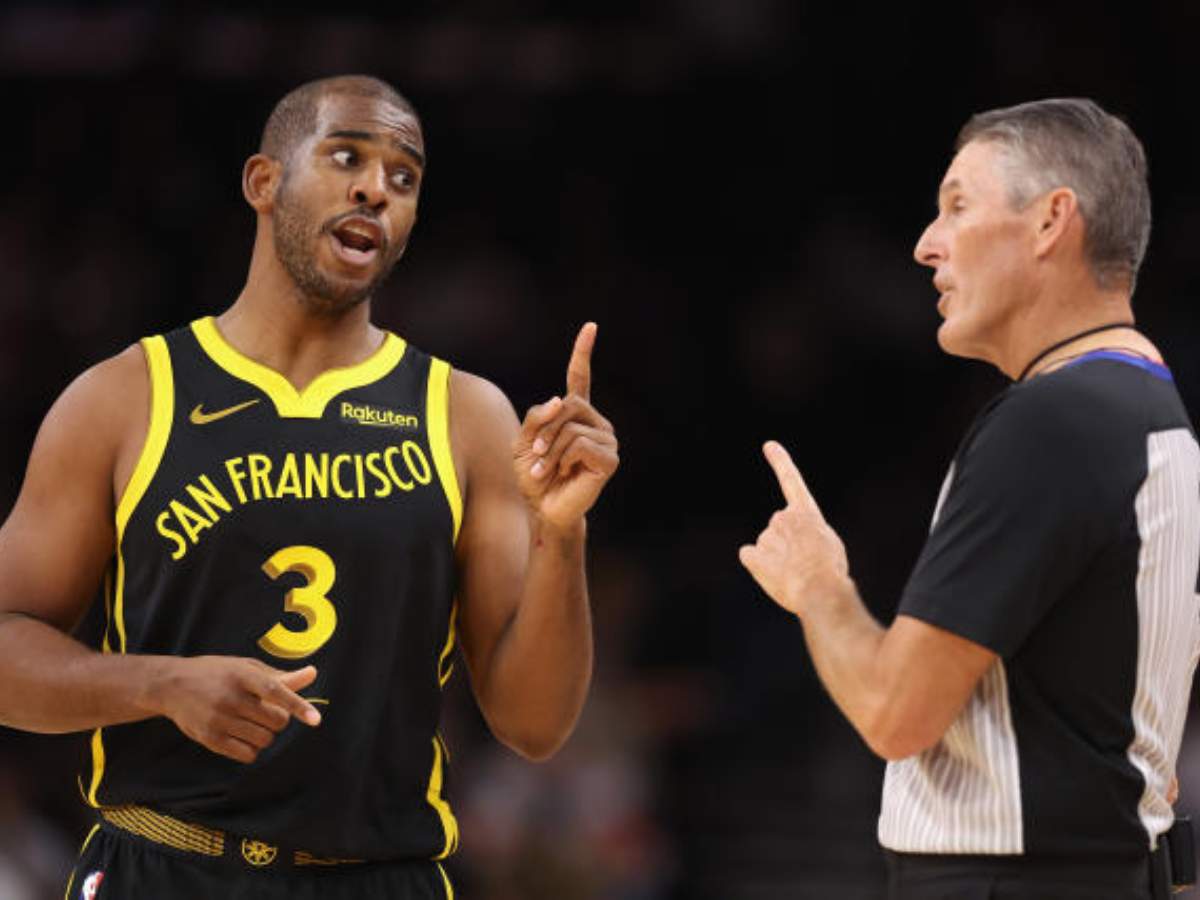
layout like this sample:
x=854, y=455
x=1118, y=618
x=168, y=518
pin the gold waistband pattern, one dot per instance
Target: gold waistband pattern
x=180, y=835
x=166, y=830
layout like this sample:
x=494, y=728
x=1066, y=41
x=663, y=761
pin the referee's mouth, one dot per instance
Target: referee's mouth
x=944, y=290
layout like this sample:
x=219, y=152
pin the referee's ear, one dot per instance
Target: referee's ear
x=1057, y=220
x=260, y=180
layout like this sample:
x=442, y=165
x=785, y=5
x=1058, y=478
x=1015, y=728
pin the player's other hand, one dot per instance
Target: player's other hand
x=797, y=551
x=566, y=451
x=232, y=705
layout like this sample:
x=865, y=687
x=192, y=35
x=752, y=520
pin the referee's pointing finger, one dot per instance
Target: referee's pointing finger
x=790, y=480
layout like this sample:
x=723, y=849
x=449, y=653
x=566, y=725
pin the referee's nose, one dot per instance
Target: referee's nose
x=930, y=249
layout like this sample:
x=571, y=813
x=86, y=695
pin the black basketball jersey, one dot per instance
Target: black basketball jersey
x=295, y=527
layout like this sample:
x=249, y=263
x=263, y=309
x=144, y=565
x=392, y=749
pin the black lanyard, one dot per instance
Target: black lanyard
x=1058, y=346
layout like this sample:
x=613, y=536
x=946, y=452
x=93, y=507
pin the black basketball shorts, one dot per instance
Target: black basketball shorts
x=116, y=865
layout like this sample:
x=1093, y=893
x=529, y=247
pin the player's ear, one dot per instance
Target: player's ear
x=260, y=180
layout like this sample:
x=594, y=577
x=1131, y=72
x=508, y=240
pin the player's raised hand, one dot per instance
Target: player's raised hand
x=233, y=705
x=797, y=549
x=566, y=451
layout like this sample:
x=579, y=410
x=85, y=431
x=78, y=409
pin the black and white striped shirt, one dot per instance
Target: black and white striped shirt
x=1066, y=540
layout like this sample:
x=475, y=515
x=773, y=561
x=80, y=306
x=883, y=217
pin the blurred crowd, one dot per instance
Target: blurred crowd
x=732, y=190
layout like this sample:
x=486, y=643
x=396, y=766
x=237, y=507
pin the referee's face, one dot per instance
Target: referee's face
x=980, y=249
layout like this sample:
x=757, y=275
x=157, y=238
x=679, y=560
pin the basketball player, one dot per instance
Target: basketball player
x=281, y=505
x=1030, y=695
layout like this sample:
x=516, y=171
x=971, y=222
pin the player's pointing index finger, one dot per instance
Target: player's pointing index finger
x=579, y=369
x=790, y=480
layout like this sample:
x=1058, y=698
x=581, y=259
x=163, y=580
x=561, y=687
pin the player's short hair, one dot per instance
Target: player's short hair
x=1074, y=143
x=295, y=116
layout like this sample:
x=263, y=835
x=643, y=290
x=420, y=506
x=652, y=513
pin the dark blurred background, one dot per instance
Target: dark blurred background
x=732, y=189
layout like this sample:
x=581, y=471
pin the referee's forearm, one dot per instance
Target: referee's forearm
x=845, y=644
x=53, y=684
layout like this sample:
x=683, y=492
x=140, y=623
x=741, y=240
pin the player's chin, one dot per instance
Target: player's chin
x=349, y=280
x=336, y=297
x=345, y=288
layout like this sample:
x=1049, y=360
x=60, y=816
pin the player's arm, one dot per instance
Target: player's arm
x=54, y=548
x=900, y=687
x=525, y=625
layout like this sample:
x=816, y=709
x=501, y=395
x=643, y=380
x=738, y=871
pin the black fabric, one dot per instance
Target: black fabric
x=1043, y=483
x=1034, y=555
x=926, y=877
x=132, y=869
x=354, y=787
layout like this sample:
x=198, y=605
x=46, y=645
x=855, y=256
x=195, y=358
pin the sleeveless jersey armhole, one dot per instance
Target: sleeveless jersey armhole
x=162, y=411
x=438, y=416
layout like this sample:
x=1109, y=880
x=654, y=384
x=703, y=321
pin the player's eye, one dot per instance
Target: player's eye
x=403, y=179
x=344, y=157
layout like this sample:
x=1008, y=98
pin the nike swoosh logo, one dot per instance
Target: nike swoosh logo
x=200, y=417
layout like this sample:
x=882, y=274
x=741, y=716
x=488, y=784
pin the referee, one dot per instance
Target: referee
x=1030, y=695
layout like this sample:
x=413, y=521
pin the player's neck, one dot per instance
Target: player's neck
x=273, y=326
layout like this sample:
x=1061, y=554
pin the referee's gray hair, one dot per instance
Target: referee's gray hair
x=1074, y=143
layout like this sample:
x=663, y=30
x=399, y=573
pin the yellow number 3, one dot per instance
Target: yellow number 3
x=308, y=601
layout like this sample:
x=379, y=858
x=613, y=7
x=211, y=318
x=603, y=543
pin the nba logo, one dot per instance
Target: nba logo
x=91, y=886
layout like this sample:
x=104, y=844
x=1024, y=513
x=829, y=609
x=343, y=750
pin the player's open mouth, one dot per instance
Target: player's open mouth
x=356, y=241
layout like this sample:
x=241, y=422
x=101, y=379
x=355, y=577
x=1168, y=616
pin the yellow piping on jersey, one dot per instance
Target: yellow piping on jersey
x=105, y=643
x=446, y=882
x=82, y=850
x=438, y=802
x=309, y=403
x=162, y=411
x=437, y=414
x=444, y=671
x=97, y=742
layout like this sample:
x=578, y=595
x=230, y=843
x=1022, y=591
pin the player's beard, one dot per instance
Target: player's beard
x=296, y=238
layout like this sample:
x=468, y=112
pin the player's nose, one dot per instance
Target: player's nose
x=369, y=188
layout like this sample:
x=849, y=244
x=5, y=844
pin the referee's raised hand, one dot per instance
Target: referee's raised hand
x=797, y=553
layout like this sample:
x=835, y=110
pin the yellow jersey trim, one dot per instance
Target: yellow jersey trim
x=82, y=850
x=445, y=881
x=445, y=671
x=437, y=412
x=438, y=802
x=97, y=744
x=162, y=411
x=97, y=767
x=309, y=403
x=105, y=643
